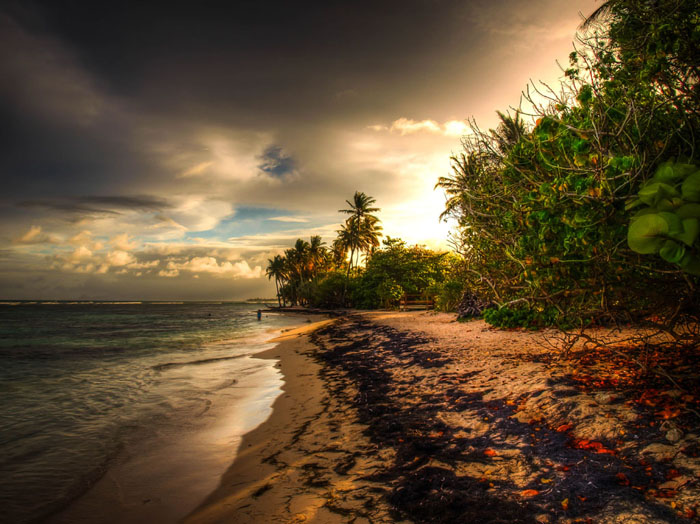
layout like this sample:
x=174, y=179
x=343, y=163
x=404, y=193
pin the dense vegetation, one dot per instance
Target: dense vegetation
x=357, y=272
x=589, y=214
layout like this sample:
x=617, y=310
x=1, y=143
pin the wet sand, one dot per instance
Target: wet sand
x=393, y=417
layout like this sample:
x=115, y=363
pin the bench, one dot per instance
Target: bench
x=416, y=302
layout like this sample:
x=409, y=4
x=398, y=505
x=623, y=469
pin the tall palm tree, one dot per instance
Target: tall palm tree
x=317, y=255
x=360, y=207
x=276, y=269
x=361, y=229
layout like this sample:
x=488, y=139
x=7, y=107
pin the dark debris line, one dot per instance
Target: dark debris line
x=403, y=416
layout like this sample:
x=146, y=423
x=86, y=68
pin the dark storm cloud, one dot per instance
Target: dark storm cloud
x=91, y=205
x=94, y=85
x=284, y=58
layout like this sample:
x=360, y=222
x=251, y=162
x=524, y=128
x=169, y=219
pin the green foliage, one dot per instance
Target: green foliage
x=309, y=274
x=413, y=269
x=326, y=291
x=507, y=317
x=448, y=294
x=670, y=224
x=541, y=212
x=389, y=292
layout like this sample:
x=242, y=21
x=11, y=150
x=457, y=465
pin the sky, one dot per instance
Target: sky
x=155, y=151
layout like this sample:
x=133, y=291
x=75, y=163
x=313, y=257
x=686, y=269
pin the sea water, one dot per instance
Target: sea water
x=147, y=400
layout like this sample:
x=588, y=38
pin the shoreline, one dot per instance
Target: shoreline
x=388, y=416
x=162, y=480
x=253, y=471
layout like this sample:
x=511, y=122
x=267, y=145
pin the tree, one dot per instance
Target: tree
x=509, y=131
x=317, y=255
x=543, y=212
x=276, y=269
x=361, y=231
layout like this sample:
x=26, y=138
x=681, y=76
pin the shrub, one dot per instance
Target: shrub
x=541, y=208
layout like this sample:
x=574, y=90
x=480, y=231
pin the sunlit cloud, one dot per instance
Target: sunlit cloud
x=288, y=219
x=407, y=126
x=197, y=170
x=122, y=242
x=35, y=235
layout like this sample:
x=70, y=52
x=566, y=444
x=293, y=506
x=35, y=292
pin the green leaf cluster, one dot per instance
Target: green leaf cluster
x=669, y=222
x=413, y=270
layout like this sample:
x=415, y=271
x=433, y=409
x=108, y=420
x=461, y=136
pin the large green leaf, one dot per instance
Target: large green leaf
x=672, y=252
x=691, y=187
x=671, y=173
x=669, y=204
x=675, y=224
x=652, y=193
x=689, y=211
x=691, y=229
x=645, y=234
x=691, y=264
x=665, y=173
x=642, y=212
x=634, y=203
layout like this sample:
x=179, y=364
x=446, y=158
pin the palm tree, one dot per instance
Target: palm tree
x=509, y=131
x=296, y=267
x=317, y=255
x=602, y=11
x=276, y=268
x=361, y=229
x=360, y=206
x=466, y=171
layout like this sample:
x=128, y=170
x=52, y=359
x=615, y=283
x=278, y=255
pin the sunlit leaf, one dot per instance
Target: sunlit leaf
x=645, y=234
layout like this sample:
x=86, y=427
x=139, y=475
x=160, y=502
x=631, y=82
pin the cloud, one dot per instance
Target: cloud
x=455, y=128
x=407, y=126
x=119, y=258
x=197, y=170
x=288, y=219
x=129, y=143
x=121, y=242
x=198, y=213
x=33, y=236
x=276, y=162
x=239, y=269
x=80, y=254
x=98, y=205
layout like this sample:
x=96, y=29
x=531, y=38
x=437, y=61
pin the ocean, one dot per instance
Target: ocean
x=130, y=409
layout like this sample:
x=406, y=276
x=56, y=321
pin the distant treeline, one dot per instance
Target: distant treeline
x=357, y=271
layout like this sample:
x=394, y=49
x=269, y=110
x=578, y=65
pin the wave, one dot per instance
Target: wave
x=170, y=365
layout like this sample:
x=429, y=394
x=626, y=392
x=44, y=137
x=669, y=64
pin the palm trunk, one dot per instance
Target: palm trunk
x=347, y=274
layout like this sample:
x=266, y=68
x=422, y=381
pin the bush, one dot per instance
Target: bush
x=414, y=270
x=389, y=293
x=541, y=208
x=326, y=291
x=448, y=294
x=506, y=317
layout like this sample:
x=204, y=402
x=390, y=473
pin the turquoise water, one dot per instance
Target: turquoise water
x=82, y=384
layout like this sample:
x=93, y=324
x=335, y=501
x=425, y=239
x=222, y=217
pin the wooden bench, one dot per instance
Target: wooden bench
x=416, y=302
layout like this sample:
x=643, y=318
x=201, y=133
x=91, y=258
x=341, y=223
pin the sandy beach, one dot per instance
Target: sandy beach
x=393, y=417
